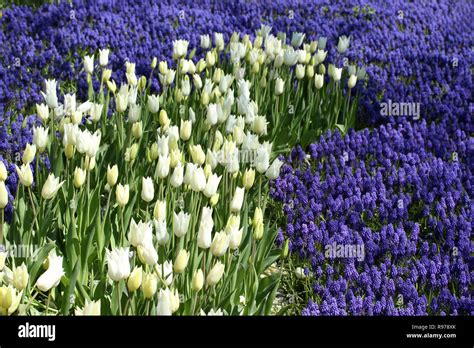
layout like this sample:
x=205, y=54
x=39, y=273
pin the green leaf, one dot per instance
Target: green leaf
x=70, y=290
x=40, y=257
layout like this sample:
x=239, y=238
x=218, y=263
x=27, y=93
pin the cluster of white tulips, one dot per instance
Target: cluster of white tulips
x=156, y=203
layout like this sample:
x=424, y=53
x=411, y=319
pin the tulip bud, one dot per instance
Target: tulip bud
x=181, y=261
x=3, y=195
x=284, y=251
x=3, y=256
x=153, y=62
x=300, y=71
x=215, y=274
x=164, y=120
x=154, y=152
x=159, y=212
x=352, y=81
x=135, y=279
x=279, y=86
x=318, y=81
x=3, y=172
x=198, y=280
x=29, y=154
x=256, y=68
x=309, y=71
x=122, y=194
x=112, y=175
x=197, y=154
x=137, y=130
x=237, y=200
x=163, y=67
x=149, y=285
x=214, y=199
x=248, y=178
x=79, y=177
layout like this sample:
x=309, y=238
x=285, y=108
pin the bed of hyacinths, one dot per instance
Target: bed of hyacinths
x=141, y=203
x=236, y=158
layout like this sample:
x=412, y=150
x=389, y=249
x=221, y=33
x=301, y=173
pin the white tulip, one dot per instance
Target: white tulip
x=215, y=274
x=90, y=308
x=118, y=263
x=51, y=186
x=53, y=274
x=163, y=166
x=177, y=176
x=205, y=228
x=352, y=81
x=148, y=189
x=96, y=111
x=50, y=96
x=279, y=86
x=180, y=48
x=25, y=174
x=164, y=306
x=40, y=138
x=274, y=170
x=89, y=64
x=43, y=112
x=140, y=234
x=104, y=57
x=3, y=195
x=180, y=223
x=134, y=113
x=161, y=233
x=318, y=81
x=219, y=244
x=205, y=41
x=212, y=185
x=262, y=159
x=297, y=39
x=198, y=180
x=237, y=199
x=343, y=44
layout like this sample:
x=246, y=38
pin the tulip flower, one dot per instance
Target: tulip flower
x=177, y=176
x=185, y=130
x=9, y=300
x=50, y=95
x=53, y=274
x=219, y=41
x=118, y=263
x=148, y=189
x=198, y=180
x=215, y=274
x=149, y=285
x=212, y=313
x=140, y=234
x=262, y=159
x=219, y=244
x=112, y=175
x=79, y=177
x=212, y=185
x=43, y=112
x=180, y=223
x=51, y=186
x=20, y=277
x=162, y=235
x=159, y=212
x=122, y=194
x=89, y=64
x=153, y=103
x=90, y=308
x=237, y=199
x=181, y=261
x=180, y=48
x=40, y=138
x=205, y=41
x=235, y=238
x=198, y=280
x=25, y=175
x=274, y=170
x=352, y=81
x=3, y=256
x=3, y=172
x=163, y=166
x=297, y=39
x=343, y=44
x=147, y=254
x=318, y=81
x=205, y=228
x=135, y=279
x=103, y=57
x=29, y=154
x=164, y=303
x=3, y=195
x=279, y=86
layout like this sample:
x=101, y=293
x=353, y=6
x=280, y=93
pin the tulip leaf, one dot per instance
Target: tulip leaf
x=39, y=259
x=66, y=302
